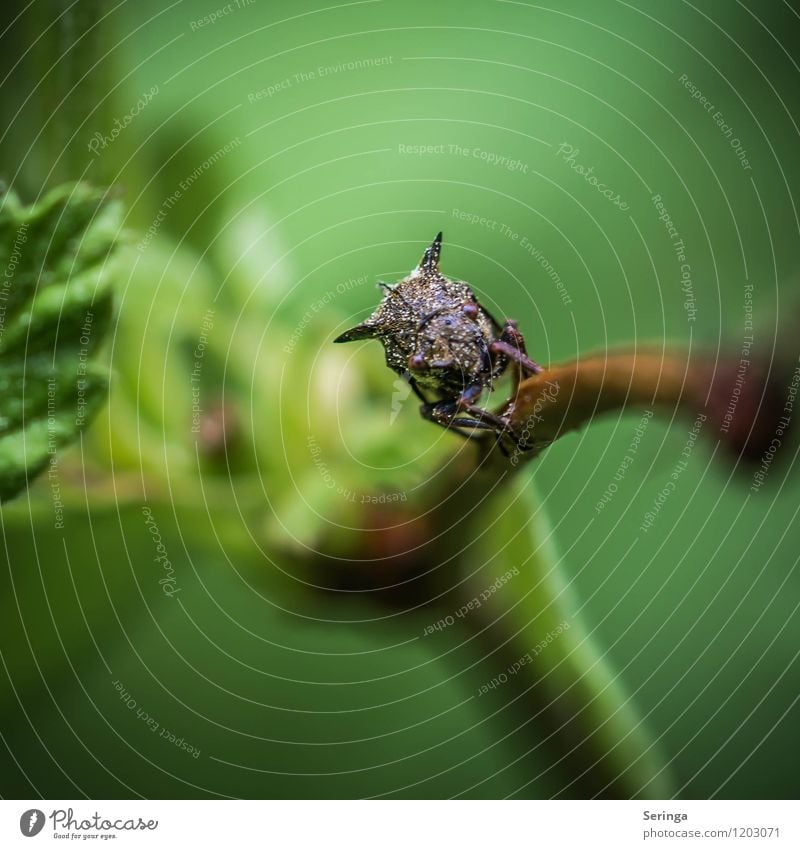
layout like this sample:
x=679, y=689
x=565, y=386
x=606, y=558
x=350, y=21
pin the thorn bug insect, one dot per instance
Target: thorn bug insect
x=447, y=345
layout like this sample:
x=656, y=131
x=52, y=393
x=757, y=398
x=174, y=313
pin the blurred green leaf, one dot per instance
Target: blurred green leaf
x=55, y=307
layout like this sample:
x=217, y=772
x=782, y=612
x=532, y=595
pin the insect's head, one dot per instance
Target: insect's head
x=449, y=339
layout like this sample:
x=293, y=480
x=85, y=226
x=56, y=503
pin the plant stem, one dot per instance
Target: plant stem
x=743, y=400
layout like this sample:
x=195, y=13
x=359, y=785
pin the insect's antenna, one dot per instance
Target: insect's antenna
x=393, y=291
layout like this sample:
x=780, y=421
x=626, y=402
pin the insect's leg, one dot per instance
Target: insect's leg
x=495, y=422
x=488, y=418
x=442, y=413
x=511, y=343
x=470, y=394
x=466, y=401
x=502, y=446
x=448, y=414
x=445, y=414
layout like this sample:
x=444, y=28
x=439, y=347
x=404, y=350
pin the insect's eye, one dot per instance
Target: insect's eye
x=470, y=310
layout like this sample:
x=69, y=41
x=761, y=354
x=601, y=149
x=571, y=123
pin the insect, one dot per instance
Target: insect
x=448, y=347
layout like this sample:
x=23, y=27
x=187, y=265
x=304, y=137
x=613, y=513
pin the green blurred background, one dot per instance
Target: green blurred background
x=292, y=153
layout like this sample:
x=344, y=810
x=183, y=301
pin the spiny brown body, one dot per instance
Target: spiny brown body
x=445, y=343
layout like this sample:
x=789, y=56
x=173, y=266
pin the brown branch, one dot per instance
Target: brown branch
x=743, y=401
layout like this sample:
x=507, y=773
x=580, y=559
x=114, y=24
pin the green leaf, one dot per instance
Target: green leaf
x=56, y=273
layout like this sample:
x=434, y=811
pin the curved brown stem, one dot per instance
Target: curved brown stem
x=743, y=400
